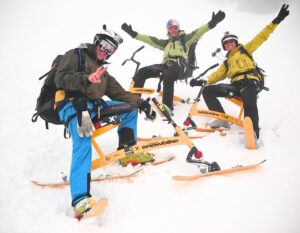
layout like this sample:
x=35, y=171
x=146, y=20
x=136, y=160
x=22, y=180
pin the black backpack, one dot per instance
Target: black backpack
x=45, y=103
x=192, y=56
x=192, y=61
x=258, y=71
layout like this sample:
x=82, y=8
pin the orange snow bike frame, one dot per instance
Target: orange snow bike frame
x=195, y=111
x=152, y=144
x=245, y=123
x=143, y=90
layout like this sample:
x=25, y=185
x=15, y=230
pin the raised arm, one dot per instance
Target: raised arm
x=198, y=33
x=150, y=40
x=263, y=35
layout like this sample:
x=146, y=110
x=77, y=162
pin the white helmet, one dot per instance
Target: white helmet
x=173, y=22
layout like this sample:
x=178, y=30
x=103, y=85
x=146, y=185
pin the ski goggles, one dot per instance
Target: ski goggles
x=173, y=28
x=107, y=47
x=229, y=41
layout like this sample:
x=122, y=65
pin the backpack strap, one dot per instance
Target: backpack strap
x=81, y=59
x=243, y=50
x=226, y=64
x=192, y=61
x=81, y=67
x=183, y=42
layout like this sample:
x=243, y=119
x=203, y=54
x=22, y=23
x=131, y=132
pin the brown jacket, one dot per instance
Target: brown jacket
x=70, y=79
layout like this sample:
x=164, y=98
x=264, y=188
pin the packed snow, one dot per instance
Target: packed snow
x=262, y=200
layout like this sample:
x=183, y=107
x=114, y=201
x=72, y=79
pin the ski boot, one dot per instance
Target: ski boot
x=83, y=206
x=213, y=167
x=219, y=124
x=135, y=159
x=205, y=168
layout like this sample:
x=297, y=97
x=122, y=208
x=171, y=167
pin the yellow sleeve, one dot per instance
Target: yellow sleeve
x=260, y=38
x=218, y=75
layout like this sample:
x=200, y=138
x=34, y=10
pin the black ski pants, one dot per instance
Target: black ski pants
x=246, y=88
x=169, y=73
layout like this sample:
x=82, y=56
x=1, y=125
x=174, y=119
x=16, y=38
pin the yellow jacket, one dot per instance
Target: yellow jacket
x=239, y=62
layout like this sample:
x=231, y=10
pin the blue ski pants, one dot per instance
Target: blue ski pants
x=82, y=149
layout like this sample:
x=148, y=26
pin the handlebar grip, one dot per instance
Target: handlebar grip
x=140, y=48
x=124, y=62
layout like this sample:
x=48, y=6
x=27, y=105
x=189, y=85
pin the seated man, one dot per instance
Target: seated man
x=83, y=90
x=175, y=64
x=243, y=72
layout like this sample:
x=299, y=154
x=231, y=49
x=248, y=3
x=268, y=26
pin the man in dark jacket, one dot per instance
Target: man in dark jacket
x=84, y=90
x=175, y=65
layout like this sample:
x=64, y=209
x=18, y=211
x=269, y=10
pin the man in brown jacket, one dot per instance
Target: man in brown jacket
x=84, y=81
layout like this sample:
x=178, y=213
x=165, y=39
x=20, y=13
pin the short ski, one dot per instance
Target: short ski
x=250, y=139
x=64, y=184
x=162, y=161
x=140, y=139
x=154, y=163
x=220, y=172
x=107, y=178
x=96, y=210
x=210, y=130
x=222, y=131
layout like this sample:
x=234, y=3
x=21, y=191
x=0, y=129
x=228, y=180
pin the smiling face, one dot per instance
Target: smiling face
x=104, y=49
x=230, y=45
x=101, y=54
x=173, y=31
x=173, y=28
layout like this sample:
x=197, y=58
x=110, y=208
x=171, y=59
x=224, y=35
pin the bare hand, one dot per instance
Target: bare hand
x=96, y=76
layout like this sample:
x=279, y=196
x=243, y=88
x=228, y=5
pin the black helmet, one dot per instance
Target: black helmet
x=227, y=37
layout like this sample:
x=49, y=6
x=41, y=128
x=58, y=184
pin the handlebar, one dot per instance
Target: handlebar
x=210, y=68
x=139, y=49
x=133, y=60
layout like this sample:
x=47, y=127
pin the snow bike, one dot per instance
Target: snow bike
x=246, y=123
x=143, y=90
x=109, y=122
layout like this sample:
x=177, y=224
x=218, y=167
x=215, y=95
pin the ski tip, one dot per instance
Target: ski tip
x=34, y=182
x=263, y=161
x=96, y=210
x=182, y=178
x=104, y=201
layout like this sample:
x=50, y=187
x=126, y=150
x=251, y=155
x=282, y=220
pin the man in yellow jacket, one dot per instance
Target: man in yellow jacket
x=240, y=68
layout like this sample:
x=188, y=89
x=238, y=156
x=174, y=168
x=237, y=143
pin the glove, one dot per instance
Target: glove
x=127, y=28
x=85, y=126
x=146, y=108
x=216, y=18
x=195, y=82
x=284, y=12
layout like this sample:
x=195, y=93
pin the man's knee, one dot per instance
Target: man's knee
x=209, y=91
x=219, y=90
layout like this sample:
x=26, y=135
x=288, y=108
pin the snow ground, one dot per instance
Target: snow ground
x=265, y=200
